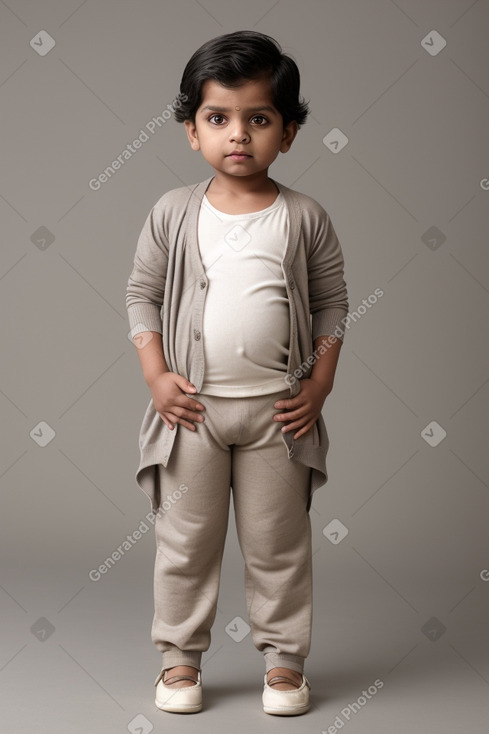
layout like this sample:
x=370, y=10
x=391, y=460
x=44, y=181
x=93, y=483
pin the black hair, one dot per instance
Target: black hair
x=231, y=59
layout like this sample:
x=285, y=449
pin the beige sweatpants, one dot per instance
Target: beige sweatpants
x=238, y=446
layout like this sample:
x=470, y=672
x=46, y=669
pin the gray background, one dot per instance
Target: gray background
x=403, y=597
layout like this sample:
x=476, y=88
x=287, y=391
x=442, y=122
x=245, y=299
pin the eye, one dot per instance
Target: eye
x=216, y=115
x=260, y=117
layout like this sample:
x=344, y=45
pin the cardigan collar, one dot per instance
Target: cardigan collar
x=195, y=201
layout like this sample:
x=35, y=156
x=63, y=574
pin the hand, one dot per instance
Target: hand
x=303, y=410
x=172, y=405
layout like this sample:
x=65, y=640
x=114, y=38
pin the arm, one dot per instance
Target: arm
x=324, y=369
x=150, y=352
x=304, y=410
x=167, y=388
x=328, y=304
x=144, y=299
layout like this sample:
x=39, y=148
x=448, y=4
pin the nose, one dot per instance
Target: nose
x=239, y=133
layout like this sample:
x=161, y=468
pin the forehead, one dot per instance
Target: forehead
x=253, y=92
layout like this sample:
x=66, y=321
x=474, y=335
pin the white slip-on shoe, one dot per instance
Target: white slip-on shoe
x=187, y=700
x=286, y=703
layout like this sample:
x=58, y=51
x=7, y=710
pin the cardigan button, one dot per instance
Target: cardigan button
x=196, y=335
x=202, y=284
x=291, y=283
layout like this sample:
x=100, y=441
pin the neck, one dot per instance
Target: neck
x=242, y=186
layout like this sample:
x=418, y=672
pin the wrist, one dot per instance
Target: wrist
x=325, y=388
x=151, y=377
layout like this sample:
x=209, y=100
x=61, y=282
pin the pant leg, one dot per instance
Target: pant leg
x=190, y=537
x=270, y=495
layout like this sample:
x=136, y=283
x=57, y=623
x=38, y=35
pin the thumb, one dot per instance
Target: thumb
x=186, y=385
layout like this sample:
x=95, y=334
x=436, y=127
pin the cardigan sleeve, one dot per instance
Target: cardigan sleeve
x=328, y=296
x=146, y=284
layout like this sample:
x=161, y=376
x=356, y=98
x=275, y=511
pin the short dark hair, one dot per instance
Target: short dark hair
x=231, y=59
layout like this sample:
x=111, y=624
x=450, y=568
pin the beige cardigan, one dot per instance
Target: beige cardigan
x=166, y=293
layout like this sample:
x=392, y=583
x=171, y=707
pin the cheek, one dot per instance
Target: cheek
x=210, y=147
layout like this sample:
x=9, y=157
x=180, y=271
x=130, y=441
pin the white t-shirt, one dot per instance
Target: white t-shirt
x=246, y=320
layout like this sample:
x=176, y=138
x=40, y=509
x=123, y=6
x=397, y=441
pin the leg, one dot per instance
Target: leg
x=270, y=494
x=190, y=535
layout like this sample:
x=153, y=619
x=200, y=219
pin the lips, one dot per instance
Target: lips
x=238, y=154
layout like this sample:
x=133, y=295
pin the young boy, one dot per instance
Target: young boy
x=237, y=302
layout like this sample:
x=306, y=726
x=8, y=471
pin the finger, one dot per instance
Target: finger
x=189, y=415
x=194, y=405
x=288, y=404
x=295, y=425
x=166, y=421
x=171, y=419
x=186, y=424
x=303, y=430
x=291, y=415
x=189, y=403
x=184, y=384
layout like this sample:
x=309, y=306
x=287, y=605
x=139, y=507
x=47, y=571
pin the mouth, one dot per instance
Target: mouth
x=238, y=156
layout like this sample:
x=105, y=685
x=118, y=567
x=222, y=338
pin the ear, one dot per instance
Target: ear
x=191, y=131
x=290, y=131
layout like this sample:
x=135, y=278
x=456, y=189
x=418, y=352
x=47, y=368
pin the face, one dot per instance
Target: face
x=243, y=119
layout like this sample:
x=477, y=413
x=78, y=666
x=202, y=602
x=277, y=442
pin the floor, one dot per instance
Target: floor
x=82, y=661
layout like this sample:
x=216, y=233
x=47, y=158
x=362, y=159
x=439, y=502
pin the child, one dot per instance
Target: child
x=237, y=302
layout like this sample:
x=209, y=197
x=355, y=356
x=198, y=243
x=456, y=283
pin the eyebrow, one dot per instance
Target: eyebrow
x=263, y=108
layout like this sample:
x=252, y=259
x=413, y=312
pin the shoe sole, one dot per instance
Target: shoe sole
x=287, y=710
x=190, y=709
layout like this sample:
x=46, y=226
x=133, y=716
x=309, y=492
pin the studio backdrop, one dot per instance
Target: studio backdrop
x=396, y=151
